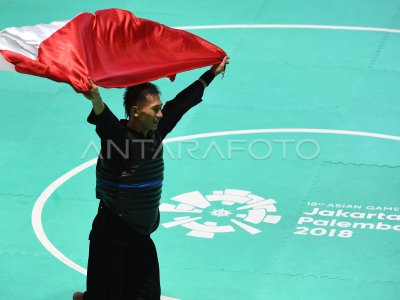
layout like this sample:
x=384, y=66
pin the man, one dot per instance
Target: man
x=123, y=263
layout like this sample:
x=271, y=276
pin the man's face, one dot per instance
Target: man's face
x=149, y=112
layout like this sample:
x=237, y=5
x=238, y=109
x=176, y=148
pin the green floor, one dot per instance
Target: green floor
x=255, y=208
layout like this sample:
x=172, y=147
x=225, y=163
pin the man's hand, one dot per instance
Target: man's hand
x=218, y=69
x=94, y=95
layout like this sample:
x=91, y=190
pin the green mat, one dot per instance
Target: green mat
x=292, y=191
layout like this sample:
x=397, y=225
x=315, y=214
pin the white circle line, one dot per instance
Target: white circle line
x=289, y=26
x=37, y=216
x=45, y=195
x=285, y=130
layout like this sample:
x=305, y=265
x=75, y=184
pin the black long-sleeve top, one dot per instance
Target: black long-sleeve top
x=130, y=167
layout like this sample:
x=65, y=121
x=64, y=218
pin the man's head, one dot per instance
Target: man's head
x=143, y=106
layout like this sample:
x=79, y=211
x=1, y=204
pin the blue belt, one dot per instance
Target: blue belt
x=157, y=182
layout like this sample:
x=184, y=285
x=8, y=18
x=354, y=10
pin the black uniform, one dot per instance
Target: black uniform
x=123, y=261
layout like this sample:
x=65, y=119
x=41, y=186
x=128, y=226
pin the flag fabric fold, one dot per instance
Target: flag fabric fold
x=113, y=46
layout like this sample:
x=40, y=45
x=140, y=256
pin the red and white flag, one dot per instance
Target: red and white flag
x=113, y=47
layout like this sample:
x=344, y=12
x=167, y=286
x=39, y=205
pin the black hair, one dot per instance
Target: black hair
x=134, y=94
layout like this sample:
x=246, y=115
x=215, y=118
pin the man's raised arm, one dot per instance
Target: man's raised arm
x=189, y=97
x=94, y=95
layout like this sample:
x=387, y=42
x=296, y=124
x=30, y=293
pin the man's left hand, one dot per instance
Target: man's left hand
x=218, y=69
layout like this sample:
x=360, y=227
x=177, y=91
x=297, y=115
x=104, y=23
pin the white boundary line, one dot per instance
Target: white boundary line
x=289, y=26
x=45, y=195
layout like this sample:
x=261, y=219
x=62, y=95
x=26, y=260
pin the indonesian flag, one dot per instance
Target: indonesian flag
x=113, y=47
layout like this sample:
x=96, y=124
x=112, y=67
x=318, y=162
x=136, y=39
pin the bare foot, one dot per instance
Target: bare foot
x=77, y=296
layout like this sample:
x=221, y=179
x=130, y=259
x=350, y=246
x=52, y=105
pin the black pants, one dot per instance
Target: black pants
x=123, y=271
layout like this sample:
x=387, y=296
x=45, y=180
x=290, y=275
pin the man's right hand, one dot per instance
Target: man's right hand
x=94, y=95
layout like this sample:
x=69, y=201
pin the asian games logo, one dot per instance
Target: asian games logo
x=221, y=212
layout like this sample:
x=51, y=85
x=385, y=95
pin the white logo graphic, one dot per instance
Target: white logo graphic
x=226, y=207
